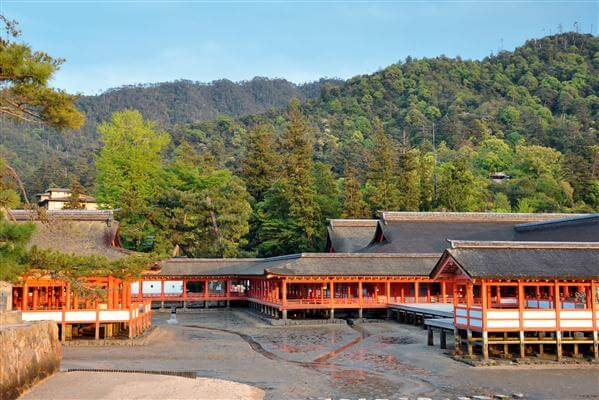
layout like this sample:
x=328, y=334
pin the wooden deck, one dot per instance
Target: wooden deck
x=427, y=310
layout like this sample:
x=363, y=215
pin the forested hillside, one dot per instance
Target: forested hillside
x=45, y=156
x=418, y=135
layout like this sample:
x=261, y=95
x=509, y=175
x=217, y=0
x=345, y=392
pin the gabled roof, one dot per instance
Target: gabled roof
x=349, y=235
x=427, y=232
x=81, y=232
x=305, y=264
x=513, y=260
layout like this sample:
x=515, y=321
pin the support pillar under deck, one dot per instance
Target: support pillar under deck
x=596, y=345
x=485, y=346
x=469, y=343
x=558, y=343
x=457, y=338
x=332, y=313
x=431, y=339
x=443, y=339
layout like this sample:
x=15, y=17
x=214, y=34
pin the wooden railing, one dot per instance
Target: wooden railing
x=510, y=319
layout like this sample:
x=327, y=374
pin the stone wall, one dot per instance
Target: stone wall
x=5, y=296
x=28, y=352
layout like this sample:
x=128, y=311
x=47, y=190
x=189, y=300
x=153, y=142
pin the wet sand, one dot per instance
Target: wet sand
x=378, y=360
x=114, y=385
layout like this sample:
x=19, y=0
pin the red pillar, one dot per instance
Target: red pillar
x=416, y=292
x=443, y=292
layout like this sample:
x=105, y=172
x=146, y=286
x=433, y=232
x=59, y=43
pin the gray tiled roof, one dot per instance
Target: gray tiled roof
x=428, y=232
x=305, y=264
x=350, y=235
x=543, y=260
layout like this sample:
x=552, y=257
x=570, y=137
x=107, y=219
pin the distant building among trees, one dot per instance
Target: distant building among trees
x=65, y=199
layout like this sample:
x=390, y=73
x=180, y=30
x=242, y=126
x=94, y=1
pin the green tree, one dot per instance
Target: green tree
x=408, y=180
x=290, y=205
x=260, y=163
x=459, y=189
x=25, y=95
x=382, y=192
x=13, y=236
x=327, y=192
x=130, y=168
x=354, y=205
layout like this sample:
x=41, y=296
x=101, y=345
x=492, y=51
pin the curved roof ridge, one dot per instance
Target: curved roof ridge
x=478, y=244
x=353, y=222
x=471, y=216
x=369, y=255
x=554, y=223
x=208, y=259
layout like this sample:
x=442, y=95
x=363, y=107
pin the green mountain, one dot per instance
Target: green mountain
x=45, y=157
x=544, y=92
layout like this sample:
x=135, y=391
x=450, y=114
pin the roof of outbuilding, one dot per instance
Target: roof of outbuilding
x=81, y=232
x=415, y=232
x=305, y=264
x=350, y=235
x=512, y=260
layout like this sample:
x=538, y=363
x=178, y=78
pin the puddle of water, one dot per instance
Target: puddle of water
x=397, y=340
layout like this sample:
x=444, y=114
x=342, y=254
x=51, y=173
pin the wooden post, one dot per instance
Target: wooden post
x=428, y=292
x=521, y=318
x=360, y=294
x=140, y=289
x=63, y=326
x=443, y=292
x=430, y=336
x=457, y=338
x=443, y=339
x=558, y=333
x=162, y=291
x=594, y=301
x=284, y=295
x=332, y=294
x=25, y=297
x=388, y=290
x=110, y=292
x=97, y=335
x=485, y=346
x=35, y=296
x=416, y=292
x=469, y=342
x=68, y=296
x=483, y=296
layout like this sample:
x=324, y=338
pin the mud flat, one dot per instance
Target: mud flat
x=385, y=360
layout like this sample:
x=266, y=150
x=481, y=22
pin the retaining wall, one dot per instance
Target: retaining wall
x=28, y=352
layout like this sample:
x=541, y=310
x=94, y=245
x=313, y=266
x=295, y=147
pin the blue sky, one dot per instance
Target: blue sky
x=113, y=43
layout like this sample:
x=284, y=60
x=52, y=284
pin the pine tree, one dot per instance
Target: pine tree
x=408, y=180
x=327, y=192
x=290, y=205
x=260, y=163
x=382, y=192
x=13, y=236
x=26, y=74
x=354, y=205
